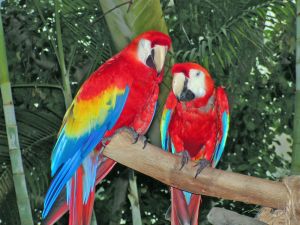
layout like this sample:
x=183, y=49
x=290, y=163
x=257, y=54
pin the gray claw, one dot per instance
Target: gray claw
x=203, y=163
x=143, y=138
x=130, y=130
x=185, y=158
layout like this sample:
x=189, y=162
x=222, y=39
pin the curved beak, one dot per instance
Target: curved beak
x=160, y=52
x=181, y=90
x=186, y=95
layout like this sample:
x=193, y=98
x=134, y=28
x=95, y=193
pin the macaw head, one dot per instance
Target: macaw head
x=150, y=48
x=191, y=81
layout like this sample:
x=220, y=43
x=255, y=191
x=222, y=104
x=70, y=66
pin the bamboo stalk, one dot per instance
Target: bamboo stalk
x=61, y=58
x=296, y=132
x=165, y=167
x=12, y=136
x=133, y=197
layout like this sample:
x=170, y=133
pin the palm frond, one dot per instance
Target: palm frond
x=86, y=22
x=37, y=132
x=221, y=47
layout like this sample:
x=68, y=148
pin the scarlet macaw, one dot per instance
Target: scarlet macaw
x=122, y=92
x=195, y=124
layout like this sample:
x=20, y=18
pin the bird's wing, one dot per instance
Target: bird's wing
x=223, y=124
x=165, y=121
x=84, y=125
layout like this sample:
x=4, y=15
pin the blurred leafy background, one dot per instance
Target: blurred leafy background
x=248, y=46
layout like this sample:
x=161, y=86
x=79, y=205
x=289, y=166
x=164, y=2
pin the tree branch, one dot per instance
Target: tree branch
x=220, y=216
x=164, y=167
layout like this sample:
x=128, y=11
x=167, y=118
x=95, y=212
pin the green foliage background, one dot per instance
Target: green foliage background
x=248, y=46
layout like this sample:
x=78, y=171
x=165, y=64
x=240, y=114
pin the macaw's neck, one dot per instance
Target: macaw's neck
x=139, y=71
x=201, y=102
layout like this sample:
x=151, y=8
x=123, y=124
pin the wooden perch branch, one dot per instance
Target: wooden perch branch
x=222, y=216
x=164, y=167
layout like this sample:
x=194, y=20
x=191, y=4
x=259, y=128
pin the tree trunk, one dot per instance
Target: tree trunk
x=13, y=139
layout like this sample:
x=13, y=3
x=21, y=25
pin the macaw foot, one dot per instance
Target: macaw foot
x=203, y=163
x=144, y=140
x=130, y=130
x=185, y=158
x=134, y=134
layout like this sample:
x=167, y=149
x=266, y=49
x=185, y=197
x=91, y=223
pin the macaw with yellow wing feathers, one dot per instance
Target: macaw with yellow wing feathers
x=123, y=92
x=194, y=124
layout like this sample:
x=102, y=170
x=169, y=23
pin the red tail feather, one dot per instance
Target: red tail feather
x=104, y=168
x=183, y=213
x=76, y=200
x=88, y=209
x=61, y=207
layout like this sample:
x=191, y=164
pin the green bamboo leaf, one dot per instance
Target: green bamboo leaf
x=228, y=56
x=209, y=41
x=220, y=59
x=223, y=29
x=203, y=48
x=232, y=49
x=185, y=55
x=193, y=54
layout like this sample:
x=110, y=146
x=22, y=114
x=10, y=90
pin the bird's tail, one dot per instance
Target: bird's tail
x=185, y=207
x=75, y=198
x=79, y=205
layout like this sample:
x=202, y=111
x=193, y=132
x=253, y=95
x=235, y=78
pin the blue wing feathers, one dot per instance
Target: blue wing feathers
x=120, y=103
x=69, y=161
x=221, y=145
x=164, y=130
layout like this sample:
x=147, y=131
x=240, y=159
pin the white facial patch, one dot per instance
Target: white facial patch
x=196, y=83
x=178, y=83
x=144, y=50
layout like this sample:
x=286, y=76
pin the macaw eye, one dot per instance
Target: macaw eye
x=198, y=74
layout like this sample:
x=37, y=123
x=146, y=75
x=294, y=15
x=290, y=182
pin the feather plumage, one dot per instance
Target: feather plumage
x=114, y=96
x=198, y=126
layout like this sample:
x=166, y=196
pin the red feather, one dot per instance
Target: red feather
x=76, y=201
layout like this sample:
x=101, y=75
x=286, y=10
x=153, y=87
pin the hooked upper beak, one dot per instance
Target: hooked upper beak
x=160, y=52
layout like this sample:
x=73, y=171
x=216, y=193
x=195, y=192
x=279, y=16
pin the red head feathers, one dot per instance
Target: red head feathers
x=191, y=82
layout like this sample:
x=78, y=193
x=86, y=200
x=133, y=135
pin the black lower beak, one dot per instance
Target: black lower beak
x=186, y=95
